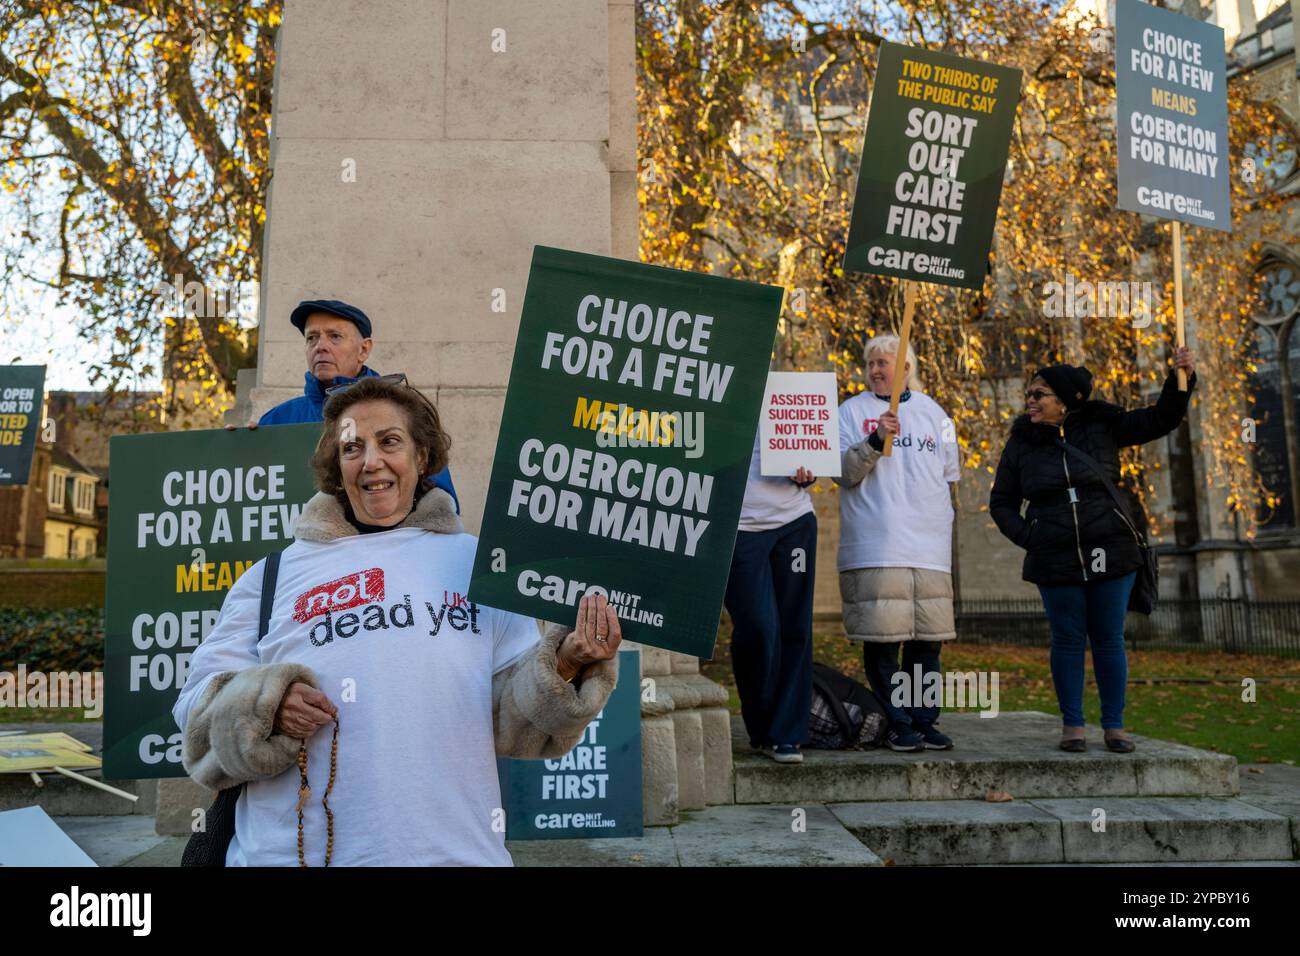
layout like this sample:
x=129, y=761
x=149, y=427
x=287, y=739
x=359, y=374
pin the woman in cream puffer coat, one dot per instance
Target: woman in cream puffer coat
x=895, y=553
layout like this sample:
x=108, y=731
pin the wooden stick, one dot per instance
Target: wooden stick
x=1180, y=337
x=95, y=783
x=900, y=363
x=36, y=779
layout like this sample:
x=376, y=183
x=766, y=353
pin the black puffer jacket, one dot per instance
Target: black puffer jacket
x=1061, y=538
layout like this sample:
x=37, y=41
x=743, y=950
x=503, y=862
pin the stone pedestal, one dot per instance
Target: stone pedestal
x=178, y=798
x=685, y=737
x=418, y=156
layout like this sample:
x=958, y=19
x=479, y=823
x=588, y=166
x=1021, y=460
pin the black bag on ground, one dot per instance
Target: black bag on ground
x=208, y=846
x=845, y=714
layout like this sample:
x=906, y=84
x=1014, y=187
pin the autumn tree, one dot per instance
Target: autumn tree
x=134, y=148
x=759, y=184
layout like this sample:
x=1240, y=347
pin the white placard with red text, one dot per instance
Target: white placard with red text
x=798, y=426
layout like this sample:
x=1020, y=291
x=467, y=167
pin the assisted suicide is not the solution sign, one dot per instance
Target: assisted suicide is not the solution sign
x=625, y=444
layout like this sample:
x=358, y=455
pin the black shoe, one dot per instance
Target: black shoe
x=906, y=741
x=934, y=738
x=1120, y=744
x=1074, y=745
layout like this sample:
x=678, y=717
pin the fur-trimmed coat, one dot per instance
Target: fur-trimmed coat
x=1073, y=542
x=228, y=728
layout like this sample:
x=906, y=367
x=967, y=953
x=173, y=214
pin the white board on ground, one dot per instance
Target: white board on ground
x=28, y=837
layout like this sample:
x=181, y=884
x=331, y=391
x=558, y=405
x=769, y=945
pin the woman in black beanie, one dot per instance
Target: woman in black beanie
x=1080, y=550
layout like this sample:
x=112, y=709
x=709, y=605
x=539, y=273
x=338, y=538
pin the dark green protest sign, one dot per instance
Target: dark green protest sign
x=1171, y=101
x=625, y=445
x=592, y=791
x=22, y=393
x=189, y=513
x=932, y=164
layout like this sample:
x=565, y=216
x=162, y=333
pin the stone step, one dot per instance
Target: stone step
x=61, y=797
x=760, y=836
x=1013, y=752
x=1136, y=830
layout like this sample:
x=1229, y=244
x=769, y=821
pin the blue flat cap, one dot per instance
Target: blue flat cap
x=307, y=307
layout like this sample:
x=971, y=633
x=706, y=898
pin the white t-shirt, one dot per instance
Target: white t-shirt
x=770, y=502
x=900, y=515
x=381, y=618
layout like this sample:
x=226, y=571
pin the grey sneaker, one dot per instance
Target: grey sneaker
x=905, y=740
x=934, y=738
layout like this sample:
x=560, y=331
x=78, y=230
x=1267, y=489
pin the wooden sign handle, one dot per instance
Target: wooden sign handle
x=1180, y=337
x=900, y=363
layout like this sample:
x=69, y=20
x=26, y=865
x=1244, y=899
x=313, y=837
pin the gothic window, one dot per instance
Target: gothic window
x=1276, y=411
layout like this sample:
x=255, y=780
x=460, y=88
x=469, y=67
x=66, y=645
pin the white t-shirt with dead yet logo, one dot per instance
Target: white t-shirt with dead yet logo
x=900, y=515
x=383, y=621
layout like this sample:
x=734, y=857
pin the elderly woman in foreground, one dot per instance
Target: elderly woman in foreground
x=372, y=640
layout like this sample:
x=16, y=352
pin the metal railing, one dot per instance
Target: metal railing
x=1225, y=625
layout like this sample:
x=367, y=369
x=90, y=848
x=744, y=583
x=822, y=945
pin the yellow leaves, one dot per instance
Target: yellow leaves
x=242, y=53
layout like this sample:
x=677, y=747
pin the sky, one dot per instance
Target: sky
x=47, y=335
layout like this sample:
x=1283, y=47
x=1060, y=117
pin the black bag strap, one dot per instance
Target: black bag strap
x=837, y=709
x=270, y=574
x=1120, y=505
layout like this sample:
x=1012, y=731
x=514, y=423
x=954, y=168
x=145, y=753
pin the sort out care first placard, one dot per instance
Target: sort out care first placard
x=192, y=511
x=933, y=158
x=592, y=791
x=1171, y=96
x=799, y=427
x=625, y=445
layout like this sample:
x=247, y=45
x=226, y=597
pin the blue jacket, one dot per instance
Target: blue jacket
x=309, y=407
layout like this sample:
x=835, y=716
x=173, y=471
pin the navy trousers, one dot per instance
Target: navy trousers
x=769, y=597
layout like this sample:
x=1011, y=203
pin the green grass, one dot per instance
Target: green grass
x=75, y=564
x=42, y=715
x=1190, y=698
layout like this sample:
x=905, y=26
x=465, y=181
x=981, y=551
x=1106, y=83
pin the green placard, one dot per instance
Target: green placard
x=625, y=445
x=592, y=791
x=189, y=512
x=1171, y=102
x=22, y=393
x=932, y=166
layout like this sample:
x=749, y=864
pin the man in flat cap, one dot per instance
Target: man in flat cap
x=337, y=336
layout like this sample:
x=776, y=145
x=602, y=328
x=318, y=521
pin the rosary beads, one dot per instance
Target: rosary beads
x=304, y=793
